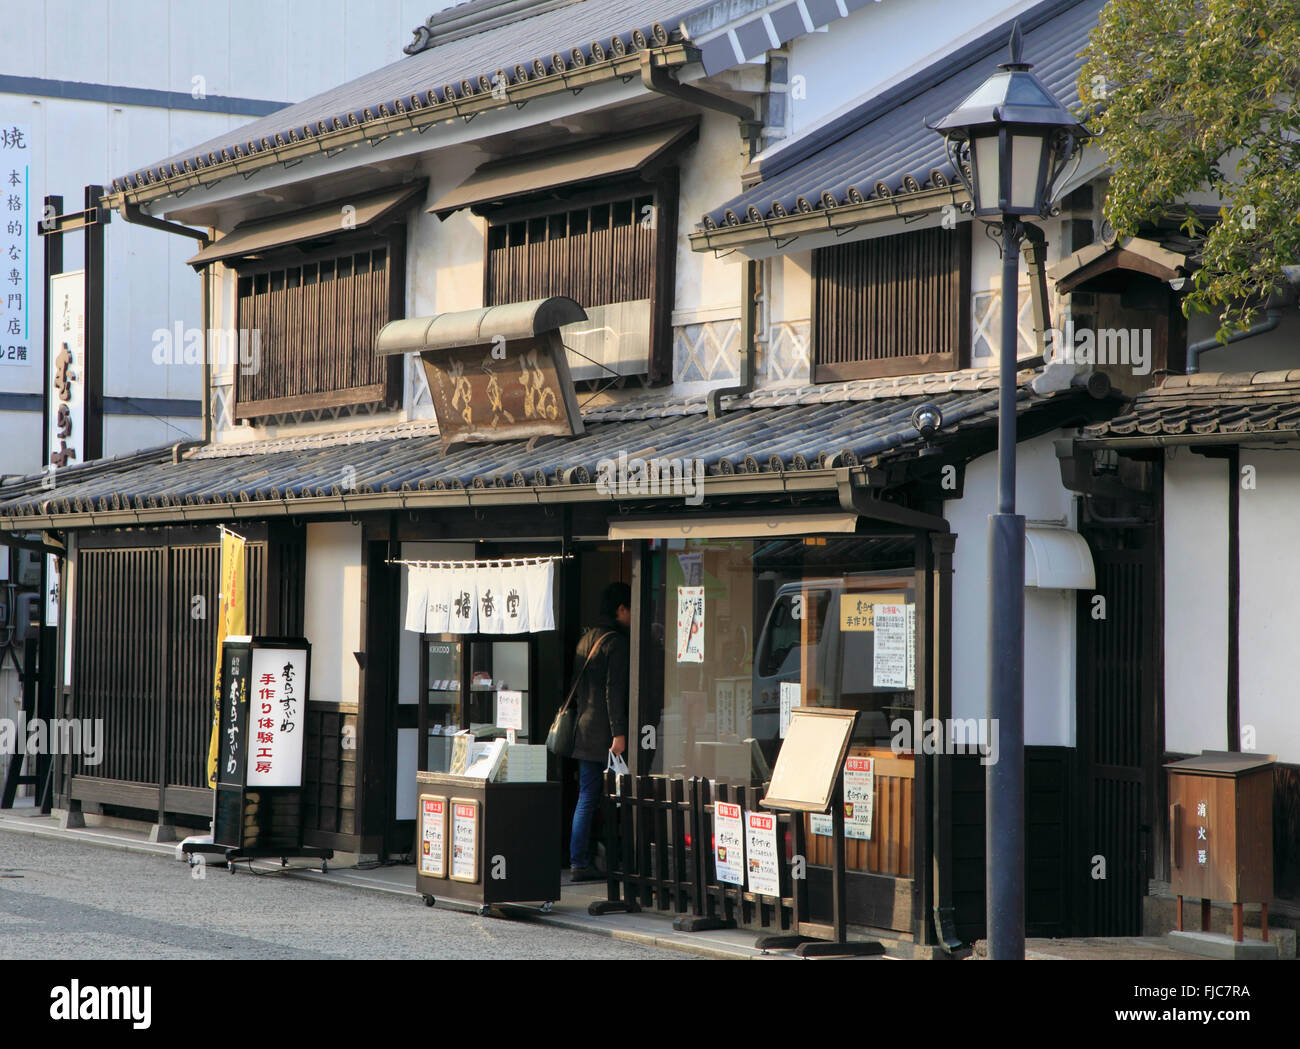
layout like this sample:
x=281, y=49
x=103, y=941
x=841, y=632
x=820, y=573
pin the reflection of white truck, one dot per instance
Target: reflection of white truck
x=840, y=660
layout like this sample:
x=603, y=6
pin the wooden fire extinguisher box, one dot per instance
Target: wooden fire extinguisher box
x=1221, y=833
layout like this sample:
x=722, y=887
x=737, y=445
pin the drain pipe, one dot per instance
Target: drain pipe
x=133, y=214
x=1272, y=318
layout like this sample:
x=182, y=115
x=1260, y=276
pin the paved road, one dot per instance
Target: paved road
x=68, y=900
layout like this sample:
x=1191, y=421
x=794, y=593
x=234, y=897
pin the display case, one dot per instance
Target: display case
x=461, y=681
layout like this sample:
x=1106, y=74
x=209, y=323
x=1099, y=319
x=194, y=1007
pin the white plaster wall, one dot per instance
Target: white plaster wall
x=333, y=605
x=1196, y=602
x=710, y=173
x=1270, y=604
x=1049, y=614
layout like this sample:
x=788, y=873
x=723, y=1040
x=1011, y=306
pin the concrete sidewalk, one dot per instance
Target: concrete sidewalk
x=648, y=928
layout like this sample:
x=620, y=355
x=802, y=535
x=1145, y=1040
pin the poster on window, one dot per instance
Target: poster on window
x=859, y=797
x=15, y=239
x=724, y=691
x=889, y=656
x=277, y=717
x=433, y=836
x=510, y=709
x=791, y=697
x=911, y=646
x=464, y=839
x=760, y=848
x=858, y=611
x=690, y=624
x=729, y=843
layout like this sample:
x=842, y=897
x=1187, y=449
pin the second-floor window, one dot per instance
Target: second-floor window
x=598, y=254
x=316, y=316
x=611, y=249
x=895, y=305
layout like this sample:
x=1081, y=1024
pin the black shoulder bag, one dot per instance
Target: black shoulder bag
x=564, y=729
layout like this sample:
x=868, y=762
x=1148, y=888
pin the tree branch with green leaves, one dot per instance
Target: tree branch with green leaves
x=1197, y=101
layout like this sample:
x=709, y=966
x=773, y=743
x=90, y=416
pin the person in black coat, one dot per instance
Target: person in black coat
x=601, y=701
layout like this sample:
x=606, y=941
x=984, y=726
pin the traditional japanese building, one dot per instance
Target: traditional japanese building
x=461, y=298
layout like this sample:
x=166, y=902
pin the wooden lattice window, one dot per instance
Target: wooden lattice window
x=895, y=305
x=602, y=248
x=317, y=317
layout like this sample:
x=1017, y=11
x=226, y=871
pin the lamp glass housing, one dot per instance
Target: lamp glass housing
x=986, y=171
x=1029, y=155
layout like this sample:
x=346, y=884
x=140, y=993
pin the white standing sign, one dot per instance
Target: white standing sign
x=690, y=624
x=277, y=717
x=859, y=797
x=729, y=843
x=15, y=238
x=760, y=847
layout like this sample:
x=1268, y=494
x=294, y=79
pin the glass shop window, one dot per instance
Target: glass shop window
x=751, y=629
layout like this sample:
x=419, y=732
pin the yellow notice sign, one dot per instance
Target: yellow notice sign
x=858, y=611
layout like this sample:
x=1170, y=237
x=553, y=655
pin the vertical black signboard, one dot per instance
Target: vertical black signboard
x=232, y=751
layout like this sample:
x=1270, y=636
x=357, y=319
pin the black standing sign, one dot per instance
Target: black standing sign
x=264, y=686
x=232, y=752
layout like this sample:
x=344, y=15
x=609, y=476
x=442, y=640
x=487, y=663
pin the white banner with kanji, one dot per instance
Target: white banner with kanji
x=277, y=717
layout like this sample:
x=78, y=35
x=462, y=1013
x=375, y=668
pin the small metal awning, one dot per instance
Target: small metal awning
x=444, y=331
x=605, y=158
x=321, y=220
x=1058, y=559
x=1137, y=254
x=758, y=527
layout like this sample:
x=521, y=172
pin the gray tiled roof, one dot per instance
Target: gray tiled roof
x=555, y=30
x=883, y=148
x=792, y=437
x=1212, y=404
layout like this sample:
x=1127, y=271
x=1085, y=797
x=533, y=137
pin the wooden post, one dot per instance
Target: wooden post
x=1263, y=921
x=1178, y=915
x=1238, y=922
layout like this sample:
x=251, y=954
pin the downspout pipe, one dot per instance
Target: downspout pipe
x=1272, y=318
x=132, y=213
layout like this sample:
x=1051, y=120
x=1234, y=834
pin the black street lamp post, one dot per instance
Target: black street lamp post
x=1009, y=142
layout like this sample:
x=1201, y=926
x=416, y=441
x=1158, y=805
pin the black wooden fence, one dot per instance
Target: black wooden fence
x=658, y=834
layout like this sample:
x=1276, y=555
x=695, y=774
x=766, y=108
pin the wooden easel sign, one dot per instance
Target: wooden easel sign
x=811, y=756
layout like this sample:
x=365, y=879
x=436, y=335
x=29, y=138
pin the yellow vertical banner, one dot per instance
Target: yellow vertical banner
x=231, y=622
